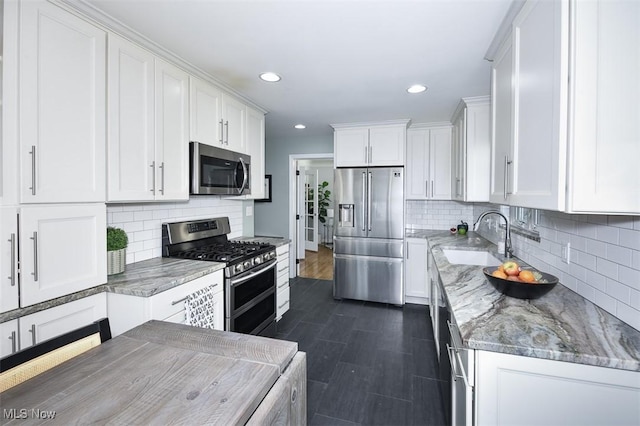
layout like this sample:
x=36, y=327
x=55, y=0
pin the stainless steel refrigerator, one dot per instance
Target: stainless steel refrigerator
x=369, y=234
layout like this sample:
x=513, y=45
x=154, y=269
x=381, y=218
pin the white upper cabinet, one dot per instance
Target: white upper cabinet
x=566, y=96
x=234, y=114
x=471, y=150
x=131, y=135
x=206, y=125
x=63, y=249
x=62, y=106
x=428, y=163
x=255, y=148
x=172, y=132
x=217, y=118
x=370, y=144
x=604, y=139
x=148, y=139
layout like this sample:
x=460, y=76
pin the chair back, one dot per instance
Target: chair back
x=25, y=364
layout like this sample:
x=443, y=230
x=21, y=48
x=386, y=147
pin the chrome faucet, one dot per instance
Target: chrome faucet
x=508, y=251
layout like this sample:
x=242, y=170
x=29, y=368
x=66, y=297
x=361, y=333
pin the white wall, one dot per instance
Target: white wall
x=143, y=221
x=604, y=257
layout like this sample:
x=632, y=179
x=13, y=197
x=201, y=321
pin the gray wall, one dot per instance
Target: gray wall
x=273, y=218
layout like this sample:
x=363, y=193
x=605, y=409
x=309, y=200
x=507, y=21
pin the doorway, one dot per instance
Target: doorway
x=311, y=219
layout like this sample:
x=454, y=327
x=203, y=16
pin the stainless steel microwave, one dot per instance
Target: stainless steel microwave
x=217, y=171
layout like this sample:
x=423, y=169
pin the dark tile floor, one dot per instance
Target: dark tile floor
x=367, y=363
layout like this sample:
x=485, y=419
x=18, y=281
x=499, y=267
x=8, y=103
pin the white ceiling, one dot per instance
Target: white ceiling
x=340, y=60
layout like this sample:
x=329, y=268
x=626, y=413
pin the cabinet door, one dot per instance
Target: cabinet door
x=458, y=156
x=501, y=123
x=604, y=146
x=255, y=148
x=9, y=259
x=9, y=341
x=205, y=114
x=418, y=181
x=476, y=162
x=234, y=113
x=440, y=163
x=386, y=145
x=131, y=136
x=62, y=250
x=62, y=106
x=416, y=269
x=351, y=147
x=172, y=132
x=540, y=46
x=40, y=326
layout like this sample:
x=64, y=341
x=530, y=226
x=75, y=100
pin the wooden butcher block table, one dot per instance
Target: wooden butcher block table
x=166, y=373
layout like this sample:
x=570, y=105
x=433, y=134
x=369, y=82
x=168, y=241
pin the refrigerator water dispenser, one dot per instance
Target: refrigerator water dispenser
x=345, y=215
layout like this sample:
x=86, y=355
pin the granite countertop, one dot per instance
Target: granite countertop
x=276, y=241
x=561, y=325
x=153, y=276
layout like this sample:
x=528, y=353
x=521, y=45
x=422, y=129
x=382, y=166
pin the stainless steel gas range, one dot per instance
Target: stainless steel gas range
x=249, y=274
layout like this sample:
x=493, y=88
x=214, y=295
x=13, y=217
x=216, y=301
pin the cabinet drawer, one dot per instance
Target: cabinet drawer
x=282, y=302
x=282, y=251
x=282, y=267
x=283, y=280
x=178, y=318
x=171, y=302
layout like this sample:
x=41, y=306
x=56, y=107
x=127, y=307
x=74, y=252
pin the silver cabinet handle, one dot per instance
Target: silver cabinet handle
x=221, y=132
x=426, y=188
x=370, y=154
x=366, y=159
x=12, y=277
x=506, y=176
x=284, y=284
x=162, y=178
x=33, y=169
x=33, y=334
x=432, y=191
x=153, y=177
x=283, y=305
x=12, y=337
x=35, y=256
x=407, y=249
x=226, y=125
x=175, y=302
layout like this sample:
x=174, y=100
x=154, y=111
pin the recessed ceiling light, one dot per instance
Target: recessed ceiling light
x=417, y=88
x=300, y=126
x=271, y=77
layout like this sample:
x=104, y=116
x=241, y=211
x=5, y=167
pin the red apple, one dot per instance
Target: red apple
x=511, y=268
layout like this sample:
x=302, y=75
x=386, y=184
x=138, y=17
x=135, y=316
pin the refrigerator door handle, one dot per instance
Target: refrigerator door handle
x=369, y=203
x=364, y=201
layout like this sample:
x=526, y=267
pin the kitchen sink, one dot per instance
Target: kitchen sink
x=471, y=257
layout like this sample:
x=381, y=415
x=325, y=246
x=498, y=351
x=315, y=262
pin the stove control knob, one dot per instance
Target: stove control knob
x=257, y=260
x=247, y=264
x=238, y=268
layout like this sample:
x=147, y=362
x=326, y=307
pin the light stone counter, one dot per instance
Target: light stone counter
x=561, y=325
x=153, y=276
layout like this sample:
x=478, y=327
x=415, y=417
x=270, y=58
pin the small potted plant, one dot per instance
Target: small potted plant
x=116, y=250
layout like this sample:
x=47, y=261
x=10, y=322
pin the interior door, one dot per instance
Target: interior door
x=311, y=210
x=300, y=218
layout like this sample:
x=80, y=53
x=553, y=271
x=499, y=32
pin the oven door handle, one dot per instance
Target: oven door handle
x=269, y=265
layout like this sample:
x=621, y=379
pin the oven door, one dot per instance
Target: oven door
x=250, y=299
x=218, y=171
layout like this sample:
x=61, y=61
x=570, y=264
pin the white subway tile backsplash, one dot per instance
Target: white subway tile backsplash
x=605, y=257
x=143, y=221
x=442, y=215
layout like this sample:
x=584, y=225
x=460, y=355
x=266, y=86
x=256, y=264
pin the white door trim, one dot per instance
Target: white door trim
x=293, y=162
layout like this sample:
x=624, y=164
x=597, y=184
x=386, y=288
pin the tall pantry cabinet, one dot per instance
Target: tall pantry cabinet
x=53, y=151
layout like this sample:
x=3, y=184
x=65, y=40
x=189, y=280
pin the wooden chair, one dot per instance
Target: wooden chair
x=29, y=362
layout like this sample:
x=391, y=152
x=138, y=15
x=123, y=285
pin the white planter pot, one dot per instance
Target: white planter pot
x=116, y=261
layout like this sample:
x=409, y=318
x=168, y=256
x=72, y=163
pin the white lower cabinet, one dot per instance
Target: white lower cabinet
x=40, y=326
x=9, y=282
x=415, y=271
x=9, y=338
x=513, y=389
x=62, y=250
x=127, y=311
x=282, y=289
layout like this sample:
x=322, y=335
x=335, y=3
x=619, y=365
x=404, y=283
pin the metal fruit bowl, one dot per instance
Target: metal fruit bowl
x=521, y=289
